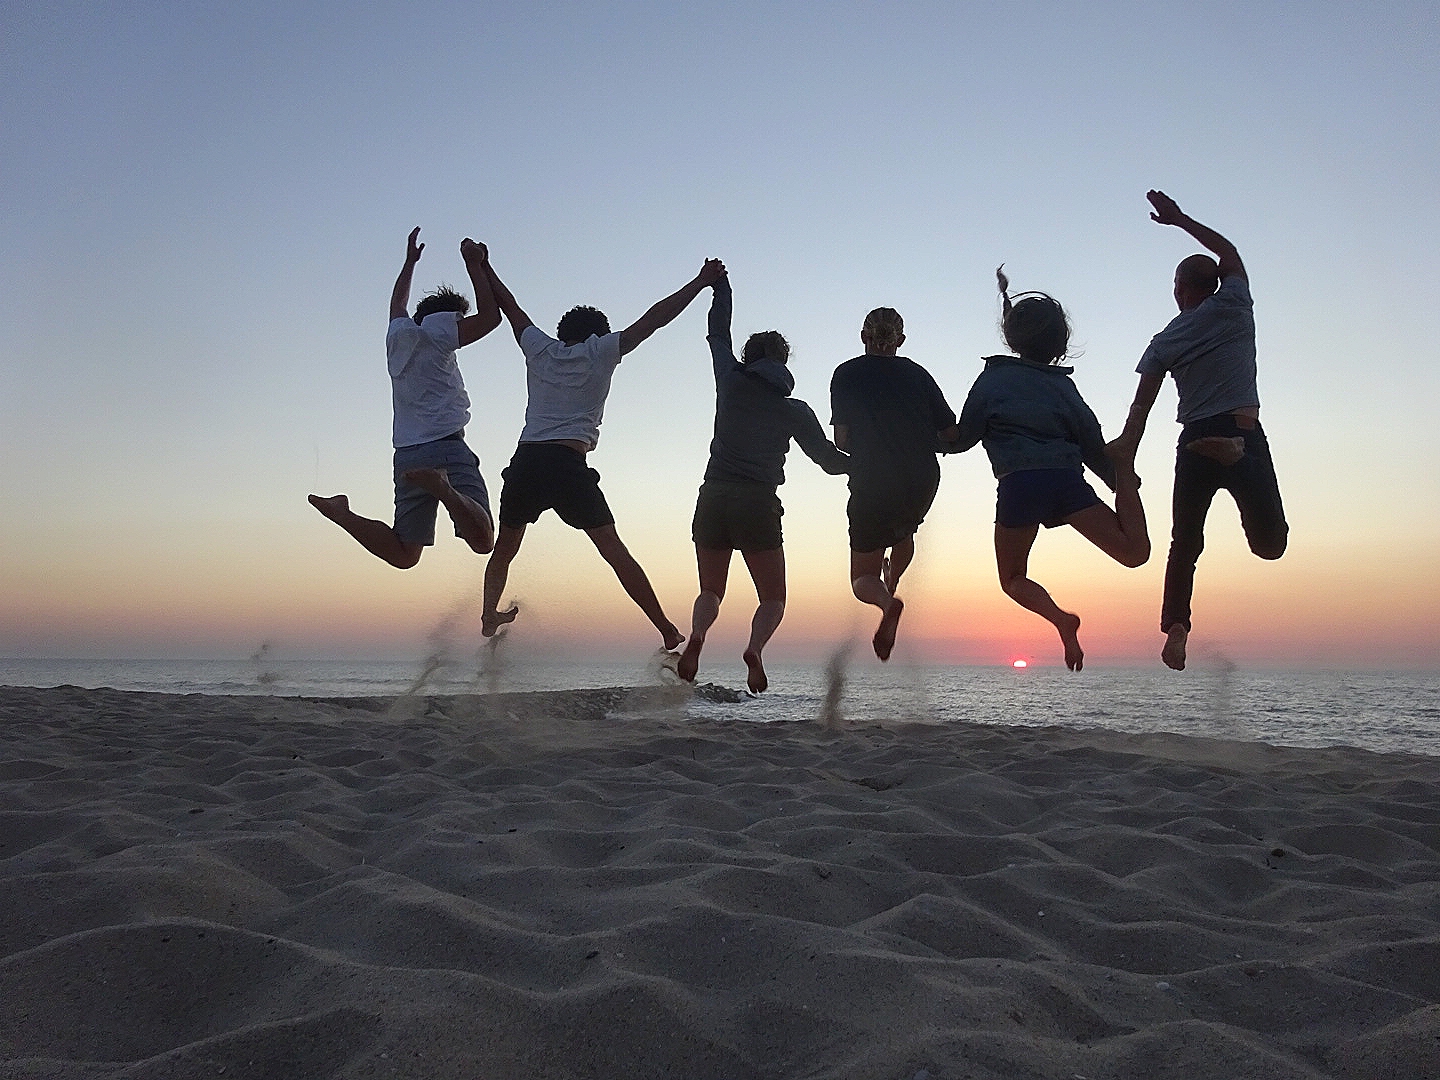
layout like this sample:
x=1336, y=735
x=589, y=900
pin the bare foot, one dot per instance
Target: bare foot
x=333, y=507
x=435, y=481
x=1174, y=651
x=756, y=680
x=491, y=621
x=1227, y=450
x=672, y=637
x=690, y=659
x=1069, y=629
x=884, y=640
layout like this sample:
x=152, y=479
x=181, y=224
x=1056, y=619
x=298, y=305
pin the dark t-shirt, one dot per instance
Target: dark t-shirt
x=893, y=410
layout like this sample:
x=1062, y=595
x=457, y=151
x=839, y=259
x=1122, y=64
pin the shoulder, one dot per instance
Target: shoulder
x=534, y=341
x=1234, y=291
x=442, y=327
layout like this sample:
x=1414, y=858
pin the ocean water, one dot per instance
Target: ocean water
x=1383, y=711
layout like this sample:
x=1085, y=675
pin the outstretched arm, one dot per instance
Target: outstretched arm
x=1124, y=446
x=1168, y=212
x=487, y=312
x=505, y=301
x=722, y=348
x=400, y=295
x=665, y=311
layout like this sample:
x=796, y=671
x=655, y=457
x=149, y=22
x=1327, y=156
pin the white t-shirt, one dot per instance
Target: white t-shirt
x=567, y=385
x=425, y=384
x=1210, y=350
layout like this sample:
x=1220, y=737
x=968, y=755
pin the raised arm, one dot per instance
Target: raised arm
x=505, y=301
x=722, y=347
x=487, y=312
x=400, y=295
x=664, y=312
x=1168, y=212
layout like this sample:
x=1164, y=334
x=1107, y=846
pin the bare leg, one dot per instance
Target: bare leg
x=472, y=523
x=497, y=572
x=901, y=555
x=767, y=570
x=714, y=569
x=869, y=587
x=1012, y=560
x=1174, y=651
x=632, y=578
x=1120, y=533
x=375, y=536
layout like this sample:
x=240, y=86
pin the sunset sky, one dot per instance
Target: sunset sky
x=206, y=206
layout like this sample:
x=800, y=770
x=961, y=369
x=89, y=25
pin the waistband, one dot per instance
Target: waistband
x=1224, y=425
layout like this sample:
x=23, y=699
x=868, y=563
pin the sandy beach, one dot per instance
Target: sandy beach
x=588, y=884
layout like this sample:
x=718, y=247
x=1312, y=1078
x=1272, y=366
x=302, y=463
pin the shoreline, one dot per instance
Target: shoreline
x=585, y=883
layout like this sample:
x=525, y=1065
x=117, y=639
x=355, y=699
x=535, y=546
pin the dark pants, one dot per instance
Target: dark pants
x=1251, y=483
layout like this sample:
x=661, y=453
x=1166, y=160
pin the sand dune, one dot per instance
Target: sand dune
x=591, y=885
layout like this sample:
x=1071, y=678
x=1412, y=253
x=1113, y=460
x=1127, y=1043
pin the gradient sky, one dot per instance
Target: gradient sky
x=206, y=206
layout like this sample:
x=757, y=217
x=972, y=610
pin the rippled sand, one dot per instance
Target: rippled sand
x=586, y=884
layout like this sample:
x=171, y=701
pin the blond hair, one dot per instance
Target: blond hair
x=884, y=328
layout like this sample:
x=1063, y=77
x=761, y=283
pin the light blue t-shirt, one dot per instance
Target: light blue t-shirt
x=1210, y=350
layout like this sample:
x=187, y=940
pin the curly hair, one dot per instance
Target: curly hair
x=766, y=345
x=443, y=298
x=1034, y=324
x=580, y=323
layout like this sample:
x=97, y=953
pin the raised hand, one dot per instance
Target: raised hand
x=412, y=249
x=472, y=250
x=712, y=271
x=1167, y=210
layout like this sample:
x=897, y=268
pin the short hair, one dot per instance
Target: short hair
x=766, y=345
x=1034, y=324
x=581, y=322
x=1199, y=272
x=884, y=328
x=443, y=298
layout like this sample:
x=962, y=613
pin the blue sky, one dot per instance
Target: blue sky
x=207, y=204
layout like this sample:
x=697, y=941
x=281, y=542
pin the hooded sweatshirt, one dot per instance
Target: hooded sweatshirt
x=1029, y=415
x=755, y=416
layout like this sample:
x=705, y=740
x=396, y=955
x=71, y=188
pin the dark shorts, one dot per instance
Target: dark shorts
x=415, y=508
x=881, y=517
x=548, y=476
x=737, y=517
x=1042, y=497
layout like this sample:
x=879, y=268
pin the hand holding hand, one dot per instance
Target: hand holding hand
x=712, y=271
x=412, y=249
x=1167, y=211
x=473, y=251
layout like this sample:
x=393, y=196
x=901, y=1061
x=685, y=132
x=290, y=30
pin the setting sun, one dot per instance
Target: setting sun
x=1019, y=663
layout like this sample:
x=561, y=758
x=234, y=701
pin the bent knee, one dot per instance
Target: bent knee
x=1271, y=551
x=1135, y=558
x=406, y=560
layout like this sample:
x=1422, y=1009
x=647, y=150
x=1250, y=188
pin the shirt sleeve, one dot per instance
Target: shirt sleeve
x=1092, y=441
x=1160, y=355
x=400, y=344
x=972, y=419
x=607, y=350
x=810, y=437
x=534, y=341
x=841, y=409
x=722, y=346
x=939, y=407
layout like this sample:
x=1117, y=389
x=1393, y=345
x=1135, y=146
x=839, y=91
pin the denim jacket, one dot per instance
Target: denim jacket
x=1029, y=415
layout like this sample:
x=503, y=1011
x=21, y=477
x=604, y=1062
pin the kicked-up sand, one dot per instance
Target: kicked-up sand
x=587, y=884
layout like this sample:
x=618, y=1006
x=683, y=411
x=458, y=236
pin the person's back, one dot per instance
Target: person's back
x=1028, y=414
x=567, y=385
x=891, y=408
x=1209, y=349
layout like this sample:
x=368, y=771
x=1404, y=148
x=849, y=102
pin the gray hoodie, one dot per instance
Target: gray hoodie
x=755, y=416
x=1029, y=415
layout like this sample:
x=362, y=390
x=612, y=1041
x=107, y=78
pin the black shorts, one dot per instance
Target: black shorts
x=549, y=476
x=1042, y=497
x=881, y=517
x=736, y=516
